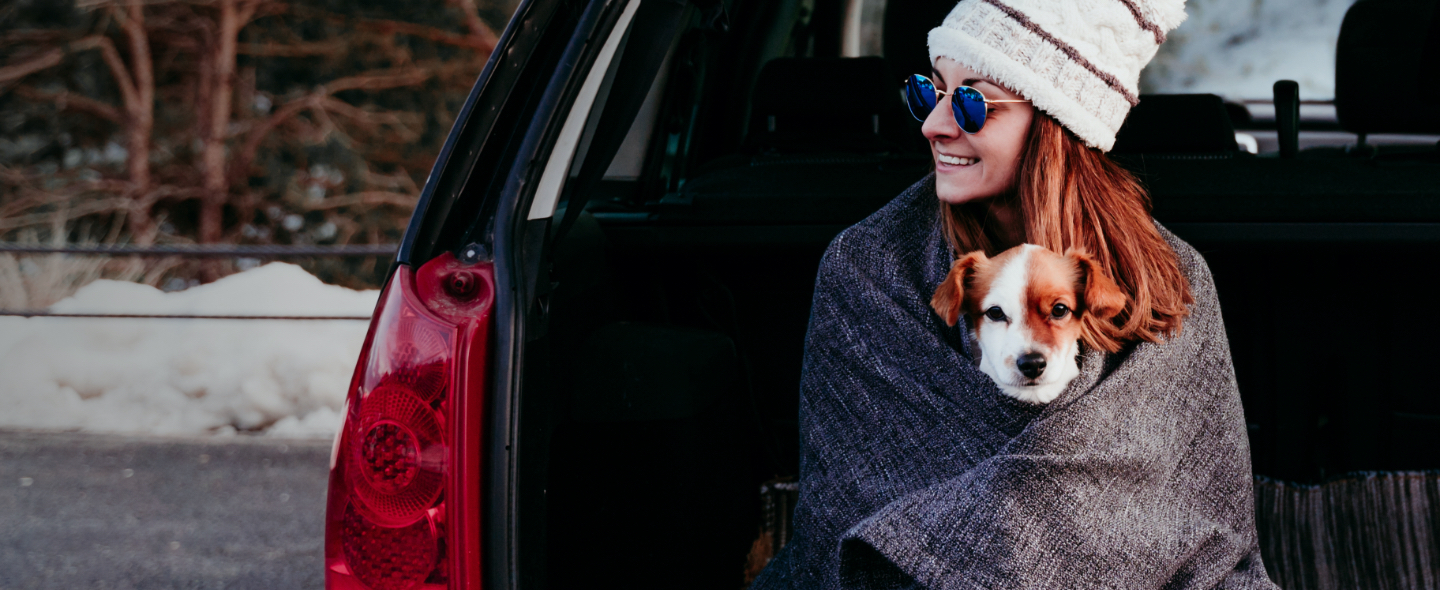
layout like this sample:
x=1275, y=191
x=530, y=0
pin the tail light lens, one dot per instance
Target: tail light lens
x=403, y=508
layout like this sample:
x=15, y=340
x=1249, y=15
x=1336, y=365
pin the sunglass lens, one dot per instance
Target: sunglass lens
x=920, y=95
x=969, y=106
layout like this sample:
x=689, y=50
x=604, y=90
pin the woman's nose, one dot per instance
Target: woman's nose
x=941, y=122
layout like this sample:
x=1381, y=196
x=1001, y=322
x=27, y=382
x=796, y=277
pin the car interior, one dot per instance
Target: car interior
x=676, y=323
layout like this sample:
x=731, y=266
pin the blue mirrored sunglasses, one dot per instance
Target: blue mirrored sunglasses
x=968, y=104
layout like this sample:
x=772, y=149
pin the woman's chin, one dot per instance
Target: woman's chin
x=955, y=192
x=957, y=184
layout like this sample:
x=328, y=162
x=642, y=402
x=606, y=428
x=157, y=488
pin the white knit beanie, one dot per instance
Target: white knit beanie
x=1077, y=60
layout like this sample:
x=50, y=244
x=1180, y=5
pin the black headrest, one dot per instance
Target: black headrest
x=842, y=103
x=1177, y=124
x=1387, y=67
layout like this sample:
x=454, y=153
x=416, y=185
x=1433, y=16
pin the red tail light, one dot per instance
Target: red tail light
x=403, y=510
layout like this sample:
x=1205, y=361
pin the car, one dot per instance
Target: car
x=584, y=365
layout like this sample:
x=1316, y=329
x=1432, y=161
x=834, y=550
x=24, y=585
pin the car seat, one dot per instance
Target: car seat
x=1387, y=67
x=1178, y=126
x=809, y=105
x=650, y=483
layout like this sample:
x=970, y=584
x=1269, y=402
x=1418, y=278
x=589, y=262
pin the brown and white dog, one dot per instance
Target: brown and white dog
x=1027, y=308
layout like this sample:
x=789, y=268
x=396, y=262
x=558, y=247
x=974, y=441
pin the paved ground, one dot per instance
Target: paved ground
x=96, y=511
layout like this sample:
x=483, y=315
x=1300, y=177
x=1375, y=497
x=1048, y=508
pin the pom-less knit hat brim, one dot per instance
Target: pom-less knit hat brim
x=1065, y=68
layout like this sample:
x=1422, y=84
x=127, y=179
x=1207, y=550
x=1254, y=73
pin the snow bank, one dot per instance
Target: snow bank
x=1239, y=48
x=187, y=377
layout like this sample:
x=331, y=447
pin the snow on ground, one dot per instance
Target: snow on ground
x=187, y=377
x=1239, y=48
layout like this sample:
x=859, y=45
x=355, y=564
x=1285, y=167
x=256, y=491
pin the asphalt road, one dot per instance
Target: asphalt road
x=98, y=511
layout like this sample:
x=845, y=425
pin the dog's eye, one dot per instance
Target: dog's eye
x=995, y=313
x=1059, y=311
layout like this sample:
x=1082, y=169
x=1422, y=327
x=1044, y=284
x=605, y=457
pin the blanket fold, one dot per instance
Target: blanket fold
x=917, y=472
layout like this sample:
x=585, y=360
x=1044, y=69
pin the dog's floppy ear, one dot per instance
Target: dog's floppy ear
x=949, y=299
x=1103, y=298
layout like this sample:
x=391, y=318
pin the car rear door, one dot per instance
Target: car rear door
x=426, y=488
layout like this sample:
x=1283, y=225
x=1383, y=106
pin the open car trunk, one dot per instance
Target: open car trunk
x=651, y=310
x=682, y=297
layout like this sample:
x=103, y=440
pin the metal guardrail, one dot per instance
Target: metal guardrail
x=144, y=316
x=197, y=251
x=208, y=250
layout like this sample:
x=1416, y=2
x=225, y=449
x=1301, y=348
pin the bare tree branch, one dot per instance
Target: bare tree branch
x=369, y=120
x=379, y=80
x=478, y=29
x=365, y=198
x=483, y=43
x=53, y=57
x=35, y=36
x=194, y=68
x=140, y=108
x=240, y=166
x=117, y=65
x=170, y=193
x=75, y=211
x=303, y=49
x=70, y=101
x=212, y=161
x=46, y=60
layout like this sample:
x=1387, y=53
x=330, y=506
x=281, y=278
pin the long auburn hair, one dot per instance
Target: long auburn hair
x=1073, y=196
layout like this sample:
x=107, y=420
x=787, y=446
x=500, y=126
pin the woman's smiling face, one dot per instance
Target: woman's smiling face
x=983, y=165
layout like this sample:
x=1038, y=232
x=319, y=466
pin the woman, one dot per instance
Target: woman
x=915, y=470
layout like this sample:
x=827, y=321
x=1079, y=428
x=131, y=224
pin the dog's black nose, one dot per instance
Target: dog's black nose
x=1031, y=365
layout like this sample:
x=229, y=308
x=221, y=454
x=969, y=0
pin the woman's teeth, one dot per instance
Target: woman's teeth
x=956, y=161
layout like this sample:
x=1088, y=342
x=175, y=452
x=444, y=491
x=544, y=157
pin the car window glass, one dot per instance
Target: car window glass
x=1234, y=48
x=629, y=161
x=1239, y=48
x=862, y=35
x=562, y=156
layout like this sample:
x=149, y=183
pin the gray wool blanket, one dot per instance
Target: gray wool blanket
x=917, y=472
